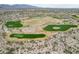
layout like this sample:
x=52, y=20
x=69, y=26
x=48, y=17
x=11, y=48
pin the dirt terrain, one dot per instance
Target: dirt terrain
x=33, y=21
x=34, y=26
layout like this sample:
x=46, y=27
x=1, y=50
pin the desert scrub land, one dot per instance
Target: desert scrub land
x=32, y=21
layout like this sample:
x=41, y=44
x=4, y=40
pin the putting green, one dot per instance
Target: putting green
x=58, y=27
x=28, y=35
x=13, y=24
x=76, y=16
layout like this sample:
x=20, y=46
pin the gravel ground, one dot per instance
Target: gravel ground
x=60, y=43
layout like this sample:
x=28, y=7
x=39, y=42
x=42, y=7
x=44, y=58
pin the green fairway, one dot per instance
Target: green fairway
x=76, y=16
x=58, y=27
x=13, y=24
x=28, y=35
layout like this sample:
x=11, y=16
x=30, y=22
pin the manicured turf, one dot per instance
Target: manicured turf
x=76, y=16
x=58, y=27
x=28, y=35
x=13, y=24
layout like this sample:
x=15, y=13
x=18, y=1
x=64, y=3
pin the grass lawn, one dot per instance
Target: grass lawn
x=28, y=35
x=58, y=27
x=76, y=16
x=13, y=24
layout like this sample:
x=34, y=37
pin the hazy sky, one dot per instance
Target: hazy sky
x=39, y=1
x=45, y=3
x=57, y=5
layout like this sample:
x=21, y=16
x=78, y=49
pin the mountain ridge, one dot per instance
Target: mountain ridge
x=16, y=6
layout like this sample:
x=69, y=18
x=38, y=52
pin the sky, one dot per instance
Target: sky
x=44, y=3
x=57, y=5
x=39, y=1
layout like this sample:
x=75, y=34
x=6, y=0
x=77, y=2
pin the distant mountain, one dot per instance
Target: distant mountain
x=16, y=6
x=22, y=6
